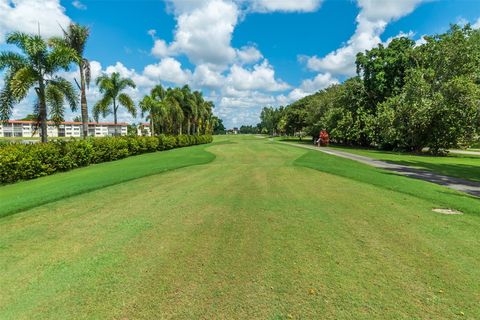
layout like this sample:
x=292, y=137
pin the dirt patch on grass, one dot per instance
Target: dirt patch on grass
x=446, y=211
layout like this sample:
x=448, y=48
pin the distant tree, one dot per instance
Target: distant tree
x=218, y=127
x=111, y=88
x=30, y=117
x=248, y=129
x=35, y=66
x=132, y=130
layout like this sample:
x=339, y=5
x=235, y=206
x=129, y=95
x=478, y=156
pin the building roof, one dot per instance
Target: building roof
x=69, y=122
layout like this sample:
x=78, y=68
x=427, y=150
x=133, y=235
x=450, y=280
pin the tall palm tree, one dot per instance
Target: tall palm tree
x=75, y=37
x=111, y=87
x=153, y=105
x=187, y=103
x=35, y=67
x=174, y=101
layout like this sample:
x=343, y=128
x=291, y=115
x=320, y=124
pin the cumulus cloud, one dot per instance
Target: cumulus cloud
x=31, y=15
x=374, y=16
x=203, y=33
x=168, y=69
x=310, y=86
x=248, y=54
x=261, y=77
x=205, y=76
x=160, y=49
x=284, y=5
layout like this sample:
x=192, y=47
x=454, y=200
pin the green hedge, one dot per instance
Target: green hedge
x=30, y=161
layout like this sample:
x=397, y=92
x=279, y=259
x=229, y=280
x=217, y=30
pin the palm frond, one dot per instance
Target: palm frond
x=126, y=82
x=55, y=99
x=12, y=60
x=104, y=83
x=6, y=103
x=60, y=57
x=36, y=49
x=21, y=82
x=102, y=107
x=126, y=101
x=19, y=39
x=67, y=90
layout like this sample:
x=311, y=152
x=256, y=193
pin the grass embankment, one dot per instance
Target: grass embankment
x=29, y=194
x=252, y=235
x=455, y=165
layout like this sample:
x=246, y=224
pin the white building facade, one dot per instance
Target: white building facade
x=143, y=129
x=28, y=129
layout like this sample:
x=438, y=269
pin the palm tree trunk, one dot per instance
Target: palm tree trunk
x=115, y=117
x=83, y=102
x=188, y=126
x=152, y=131
x=180, y=129
x=42, y=110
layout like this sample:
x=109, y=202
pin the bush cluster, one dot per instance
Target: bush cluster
x=30, y=161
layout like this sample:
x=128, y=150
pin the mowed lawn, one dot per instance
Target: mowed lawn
x=263, y=231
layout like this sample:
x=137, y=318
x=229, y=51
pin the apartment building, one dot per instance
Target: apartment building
x=143, y=129
x=28, y=129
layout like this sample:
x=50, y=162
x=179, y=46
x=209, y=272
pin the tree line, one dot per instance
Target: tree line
x=38, y=62
x=405, y=96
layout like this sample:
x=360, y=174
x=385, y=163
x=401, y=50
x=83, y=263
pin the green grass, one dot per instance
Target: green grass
x=455, y=165
x=32, y=193
x=264, y=231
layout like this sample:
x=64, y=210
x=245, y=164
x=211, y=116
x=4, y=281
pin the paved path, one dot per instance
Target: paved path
x=468, y=152
x=458, y=184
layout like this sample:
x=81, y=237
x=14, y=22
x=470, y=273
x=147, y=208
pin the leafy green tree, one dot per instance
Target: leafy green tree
x=383, y=69
x=75, y=37
x=218, y=127
x=35, y=66
x=111, y=88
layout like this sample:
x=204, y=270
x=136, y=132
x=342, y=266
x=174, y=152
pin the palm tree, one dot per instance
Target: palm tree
x=35, y=67
x=111, y=87
x=188, y=105
x=174, y=101
x=152, y=105
x=75, y=37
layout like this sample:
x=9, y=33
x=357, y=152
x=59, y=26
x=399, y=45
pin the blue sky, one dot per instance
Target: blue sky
x=243, y=54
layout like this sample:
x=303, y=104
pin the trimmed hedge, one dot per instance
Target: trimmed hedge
x=30, y=161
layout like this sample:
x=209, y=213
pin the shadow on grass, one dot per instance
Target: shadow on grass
x=437, y=195
x=464, y=171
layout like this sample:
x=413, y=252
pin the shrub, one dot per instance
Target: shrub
x=24, y=162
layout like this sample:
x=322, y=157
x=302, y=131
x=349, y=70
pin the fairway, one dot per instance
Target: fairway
x=262, y=230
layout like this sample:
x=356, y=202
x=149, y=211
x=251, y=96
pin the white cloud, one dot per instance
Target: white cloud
x=310, y=86
x=374, y=16
x=248, y=54
x=205, y=76
x=284, y=5
x=140, y=79
x=476, y=25
x=79, y=5
x=168, y=69
x=261, y=77
x=160, y=49
x=204, y=33
x=30, y=15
